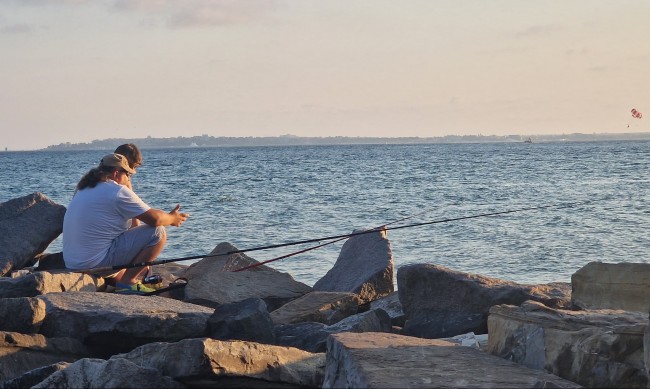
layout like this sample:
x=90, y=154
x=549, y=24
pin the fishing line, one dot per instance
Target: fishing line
x=333, y=237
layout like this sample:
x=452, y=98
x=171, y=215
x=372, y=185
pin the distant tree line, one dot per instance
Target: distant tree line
x=291, y=140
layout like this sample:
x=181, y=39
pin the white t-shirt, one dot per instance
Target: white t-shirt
x=94, y=218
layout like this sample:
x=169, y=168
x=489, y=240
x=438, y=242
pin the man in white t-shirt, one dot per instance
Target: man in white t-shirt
x=96, y=225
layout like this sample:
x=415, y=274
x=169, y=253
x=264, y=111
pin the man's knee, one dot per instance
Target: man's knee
x=160, y=234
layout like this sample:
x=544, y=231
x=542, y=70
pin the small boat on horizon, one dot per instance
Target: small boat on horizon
x=528, y=140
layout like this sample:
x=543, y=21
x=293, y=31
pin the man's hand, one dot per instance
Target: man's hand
x=179, y=217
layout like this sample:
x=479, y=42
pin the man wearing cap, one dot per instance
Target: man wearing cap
x=96, y=224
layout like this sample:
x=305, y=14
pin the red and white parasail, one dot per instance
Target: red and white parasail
x=636, y=114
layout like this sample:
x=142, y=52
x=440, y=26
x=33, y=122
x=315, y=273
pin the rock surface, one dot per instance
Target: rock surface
x=114, y=373
x=28, y=225
x=20, y=353
x=43, y=282
x=245, y=320
x=600, y=348
x=440, y=302
x=364, y=267
x=378, y=360
x=192, y=360
x=313, y=336
x=211, y=281
x=22, y=314
x=111, y=323
x=624, y=286
x=320, y=307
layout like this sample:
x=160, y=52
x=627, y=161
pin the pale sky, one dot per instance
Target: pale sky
x=78, y=70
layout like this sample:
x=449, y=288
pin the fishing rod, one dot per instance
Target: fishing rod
x=333, y=237
x=322, y=245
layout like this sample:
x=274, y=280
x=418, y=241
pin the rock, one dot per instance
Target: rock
x=50, y=261
x=20, y=353
x=380, y=360
x=364, y=267
x=33, y=377
x=193, y=360
x=313, y=336
x=624, y=286
x=245, y=320
x=28, y=225
x=309, y=336
x=212, y=283
x=110, y=323
x=440, y=303
x=599, y=348
x=22, y=314
x=392, y=306
x=321, y=307
x=114, y=373
x=38, y=283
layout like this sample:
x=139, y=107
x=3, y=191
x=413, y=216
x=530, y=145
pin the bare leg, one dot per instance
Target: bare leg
x=148, y=254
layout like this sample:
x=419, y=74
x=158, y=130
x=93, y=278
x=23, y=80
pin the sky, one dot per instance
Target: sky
x=78, y=70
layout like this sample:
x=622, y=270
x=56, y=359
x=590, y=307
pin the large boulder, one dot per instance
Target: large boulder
x=312, y=336
x=212, y=281
x=110, y=323
x=440, y=302
x=33, y=377
x=22, y=314
x=364, y=267
x=42, y=282
x=393, y=308
x=321, y=307
x=114, y=373
x=599, y=348
x=28, y=225
x=244, y=320
x=205, y=360
x=20, y=353
x=624, y=286
x=380, y=360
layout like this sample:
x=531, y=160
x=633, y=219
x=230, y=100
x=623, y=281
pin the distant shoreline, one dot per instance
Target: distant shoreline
x=291, y=140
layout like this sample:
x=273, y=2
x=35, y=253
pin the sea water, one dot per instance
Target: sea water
x=597, y=193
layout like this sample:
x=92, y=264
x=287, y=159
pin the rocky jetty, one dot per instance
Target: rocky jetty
x=260, y=328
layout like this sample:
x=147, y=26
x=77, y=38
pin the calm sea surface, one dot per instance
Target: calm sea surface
x=261, y=196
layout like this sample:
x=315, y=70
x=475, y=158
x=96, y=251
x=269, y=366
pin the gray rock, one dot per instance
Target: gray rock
x=380, y=360
x=321, y=307
x=20, y=353
x=50, y=261
x=624, y=286
x=246, y=320
x=393, y=308
x=440, y=302
x=38, y=283
x=22, y=314
x=114, y=373
x=28, y=225
x=599, y=348
x=33, y=377
x=211, y=281
x=309, y=336
x=110, y=323
x=193, y=360
x=313, y=336
x=364, y=267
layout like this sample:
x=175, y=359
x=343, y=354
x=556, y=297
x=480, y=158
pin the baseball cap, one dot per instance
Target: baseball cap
x=116, y=160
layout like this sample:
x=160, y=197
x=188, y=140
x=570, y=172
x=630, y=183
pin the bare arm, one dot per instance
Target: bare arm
x=156, y=217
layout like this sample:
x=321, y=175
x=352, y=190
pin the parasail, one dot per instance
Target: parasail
x=636, y=114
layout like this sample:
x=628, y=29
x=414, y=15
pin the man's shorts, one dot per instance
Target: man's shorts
x=129, y=244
